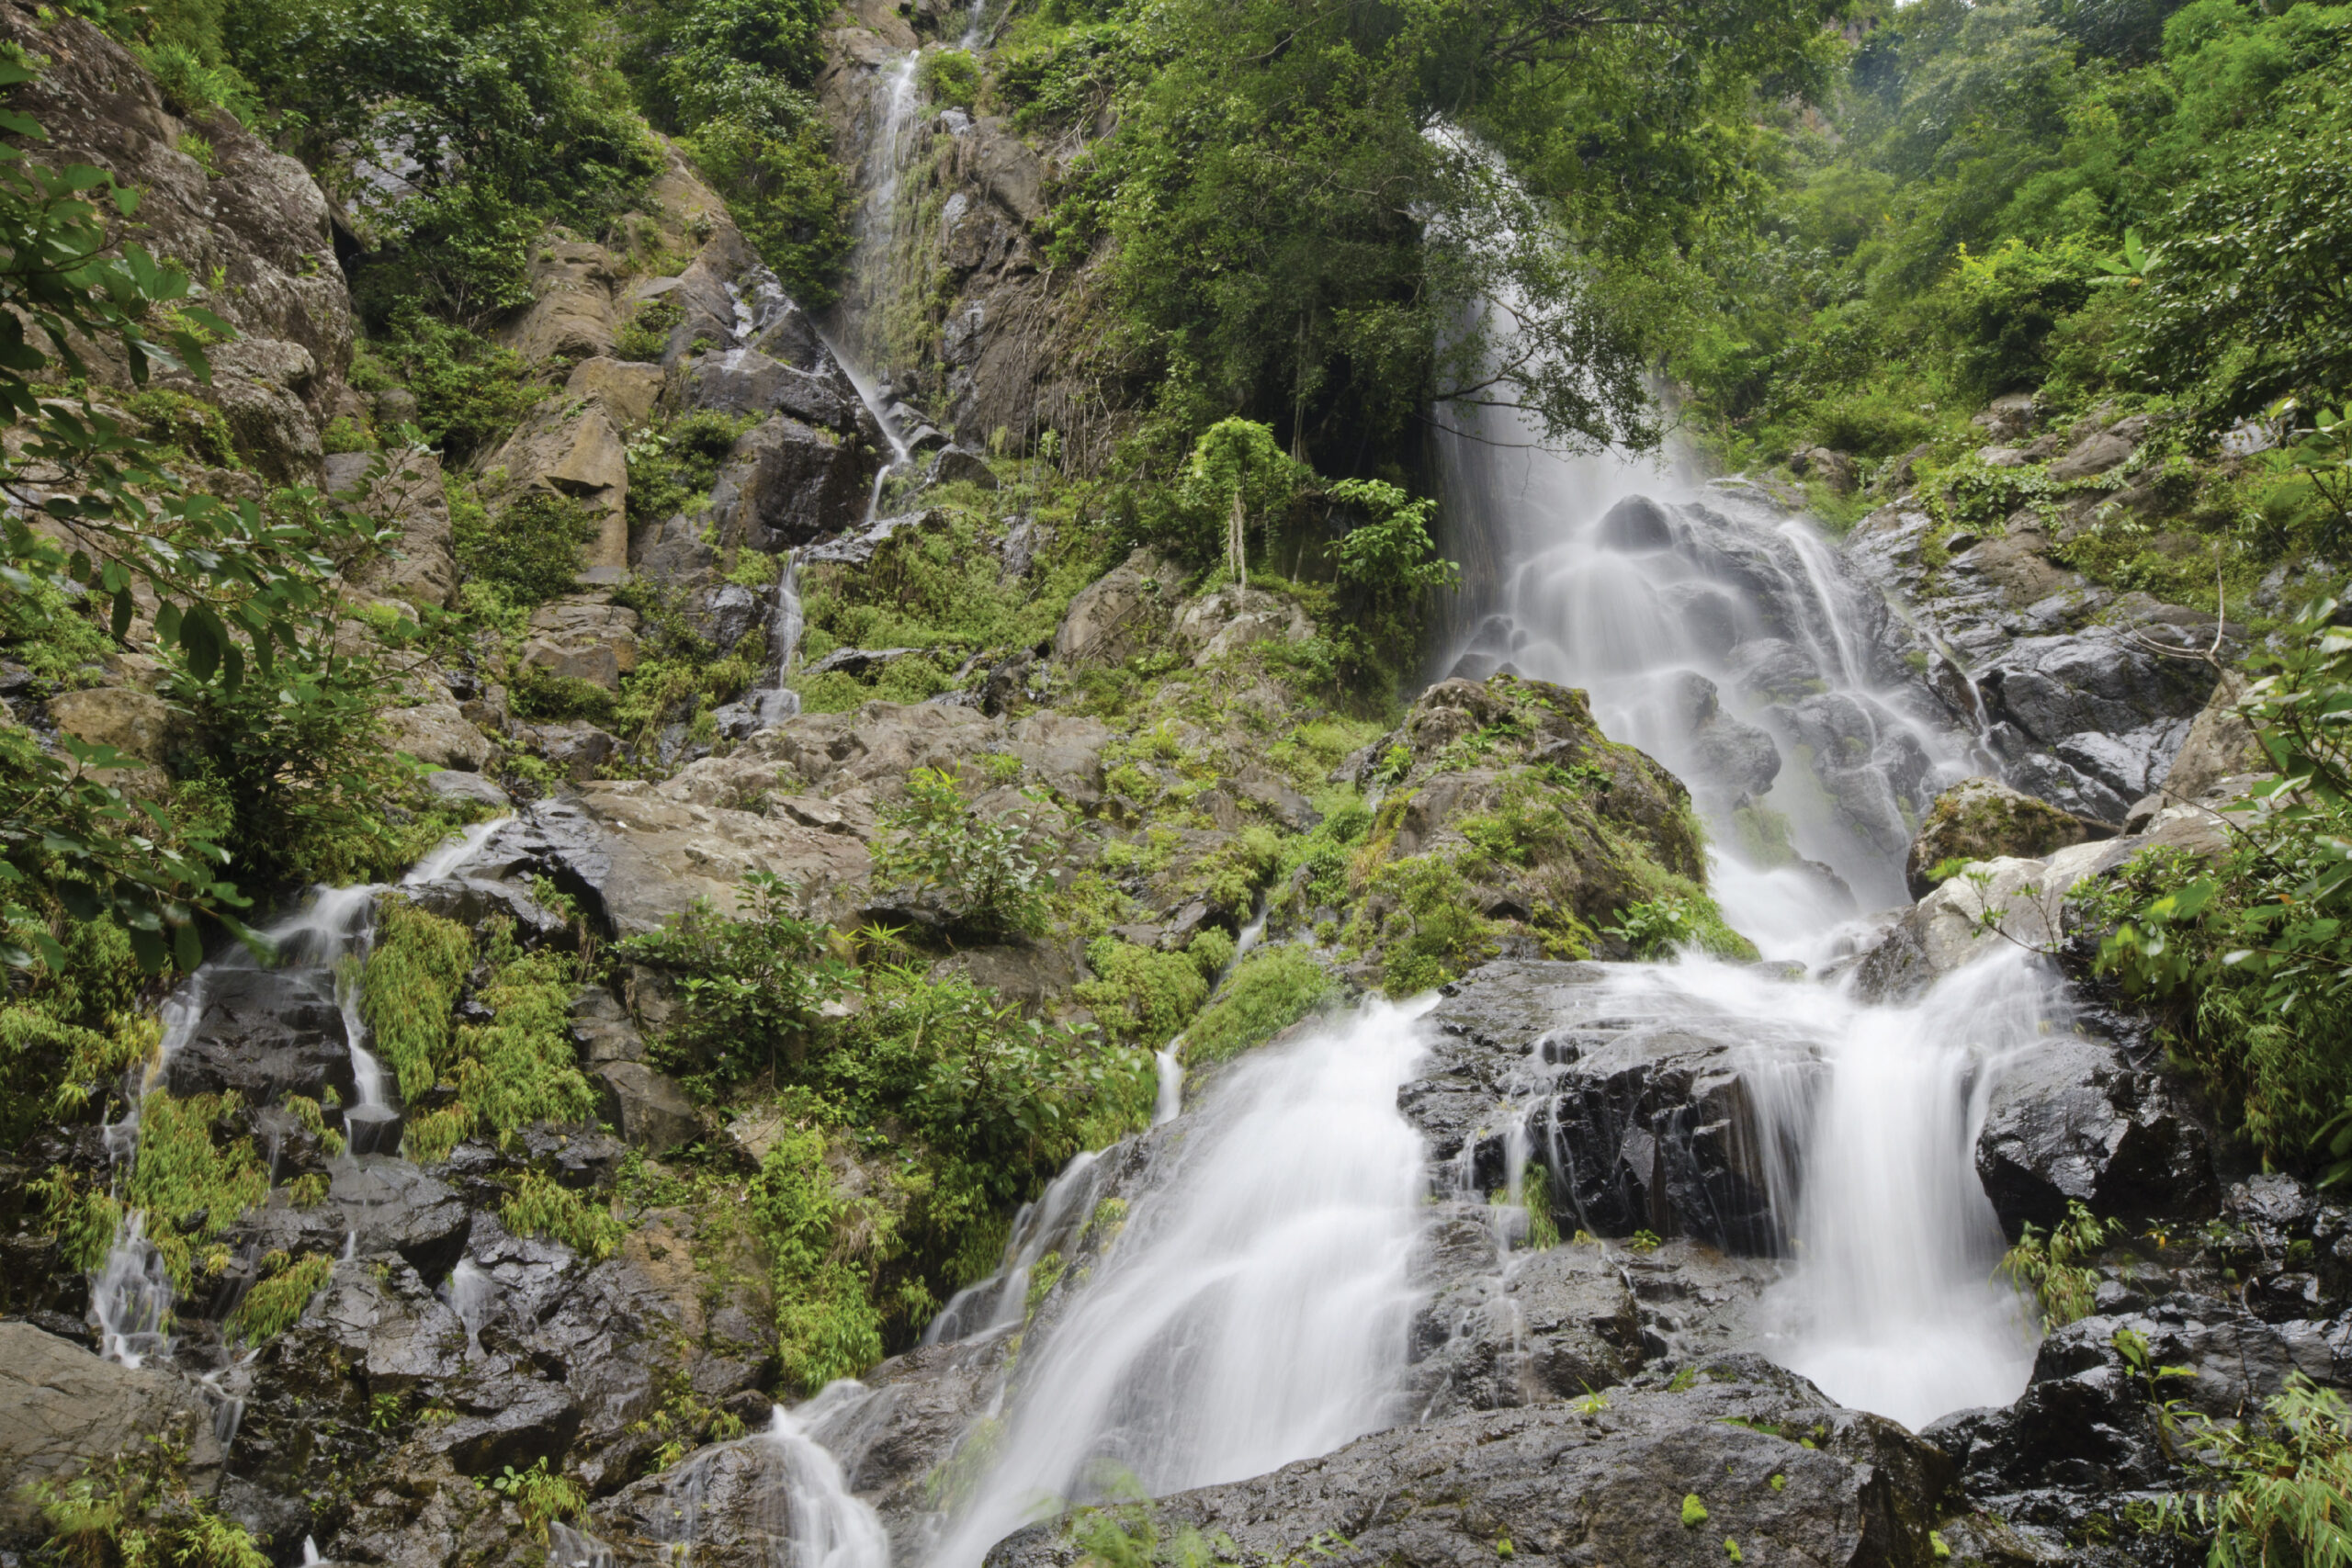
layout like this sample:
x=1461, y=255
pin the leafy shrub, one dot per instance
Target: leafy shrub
x=1431, y=933
x=542, y=1496
x=538, y=1206
x=949, y=78
x=1140, y=995
x=2046, y=1267
x=983, y=871
x=409, y=989
x=789, y=196
x=1271, y=989
x=531, y=549
x=645, y=336
x=826, y=1323
x=272, y=1306
x=751, y=987
x=469, y=392
x=2279, y=1488
x=2250, y=959
x=671, y=469
x=521, y=1066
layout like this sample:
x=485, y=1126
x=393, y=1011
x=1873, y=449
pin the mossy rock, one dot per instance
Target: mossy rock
x=1982, y=819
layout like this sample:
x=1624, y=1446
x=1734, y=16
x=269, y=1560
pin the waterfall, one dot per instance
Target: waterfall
x=1044, y=1226
x=1727, y=640
x=1252, y=1311
x=872, y=267
x=1720, y=636
x=131, y=1294
x=779, y=702
x=780, y=1495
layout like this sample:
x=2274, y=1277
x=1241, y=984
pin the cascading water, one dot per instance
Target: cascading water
x=1254, y=1310
x=781, y=1494
x=1726, y=640
x=131, y=1293
x=1721, y=636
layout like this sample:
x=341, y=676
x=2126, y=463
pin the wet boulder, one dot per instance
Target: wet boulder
x=1557, y=1323
x=266, y=1033
x=391, y=1206
x=1981, y=819
x=788, y=483
x=1568, y=1485
x=2070, y=1120
x=1645, y=1123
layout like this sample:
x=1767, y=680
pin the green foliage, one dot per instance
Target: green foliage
x=786, y=194
x=2278, y=1489
x=1661, y=926
x=469, y=392
x=1291, y=242
x=542, y=1496
x=751, y=986
x=1267, y=992
x=538, y=1206
x=984, y=871
x=1433, y=933
x=409, y=989
x=645, y=336
x=229, y=584
x=272, y=1306
x=2251, y=957
x=2045, y=1267
x=509, y=116
x=670, y=470
x=826, y=1323
x=1389, y=553
x=521, y=1068
x=949, y=78
x=529, y=550
x=1140, y=995
x=138, y=1512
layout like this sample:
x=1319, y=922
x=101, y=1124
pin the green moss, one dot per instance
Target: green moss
x=645, y=336
x=1271, y=989
x=193, y=1181
x=273, y=1305
x=521, y=1066
x=1431, y=933
x=529, y=549
x=827, y=1326
x=540, y=1207
x=410, y=984
x=1139, y=995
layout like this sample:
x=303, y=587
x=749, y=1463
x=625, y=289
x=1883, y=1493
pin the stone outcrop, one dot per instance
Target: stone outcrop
x=1983, y=819
x=63, y=1409
x=251, y=231
x=1115, y=616
x=569, y=448
x=1566, y=1485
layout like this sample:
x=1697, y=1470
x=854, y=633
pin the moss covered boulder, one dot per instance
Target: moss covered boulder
x=1982, y=819
x=1508, y=822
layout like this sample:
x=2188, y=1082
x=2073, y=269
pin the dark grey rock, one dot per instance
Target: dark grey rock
x=452, y=784
x=1565, y=1486
x=392, y=1206
x=651, y=1112
x=787, y=483
x=266, y=1033
x=2072, y=1120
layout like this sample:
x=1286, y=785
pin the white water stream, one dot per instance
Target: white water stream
x=131, y=1294
x=1596, y=572
x=1252, y=1311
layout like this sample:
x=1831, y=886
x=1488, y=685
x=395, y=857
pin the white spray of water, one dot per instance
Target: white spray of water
x=1604, y=573
x=1889, y=1304
x=782, y=1494
x=780, y=702
x=1044, y=1226
x=1169, y=1102
x=1253, y=1312
x=471, y=1294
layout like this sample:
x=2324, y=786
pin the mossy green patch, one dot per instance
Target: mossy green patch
x=1270, y=990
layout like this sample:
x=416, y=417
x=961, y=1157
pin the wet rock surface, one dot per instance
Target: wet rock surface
x=1653, y=1124
x=1776, y=1469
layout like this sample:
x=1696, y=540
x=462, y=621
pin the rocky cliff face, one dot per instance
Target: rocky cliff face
x=1192, y=778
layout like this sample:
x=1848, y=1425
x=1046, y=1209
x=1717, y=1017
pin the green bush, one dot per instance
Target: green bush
x=751, y=987
x=1140, y=995
x=273, y=1305
x=788, y=195
x=538, y=1206
x=1271, y=989
x=984, y=872
x=645, y=336
x=521, y=1068
x=949, y=78
x=469, y=392
x=409, y=990
x=530, y=550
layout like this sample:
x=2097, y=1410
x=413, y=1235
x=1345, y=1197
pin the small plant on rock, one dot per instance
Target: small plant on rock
x=2044, y=1265
x=982, y=871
